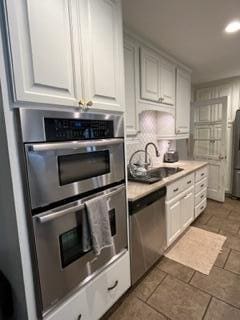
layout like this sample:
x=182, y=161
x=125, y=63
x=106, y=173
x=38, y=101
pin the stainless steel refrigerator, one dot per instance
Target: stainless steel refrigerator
x=236, y=156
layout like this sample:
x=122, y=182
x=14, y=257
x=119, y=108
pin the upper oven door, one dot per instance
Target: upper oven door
x=61, y=170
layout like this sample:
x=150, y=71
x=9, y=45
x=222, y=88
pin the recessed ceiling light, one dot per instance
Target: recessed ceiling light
x=232, y=27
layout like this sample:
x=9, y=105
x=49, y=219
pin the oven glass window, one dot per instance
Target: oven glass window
x=81, y=166
x=76, y=242
x=112, y=219
x=72, y=245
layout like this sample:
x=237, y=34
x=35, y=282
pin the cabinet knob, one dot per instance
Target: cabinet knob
x=89, y=103
x=160, y=99
x=79, y=317
x=81, y=103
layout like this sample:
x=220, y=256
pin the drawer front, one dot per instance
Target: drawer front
x=201, y=185
x=188, y=181
x=200, y=196
x=174, y=188
x=108, y=287
x=180, y=185
x=74, y=308
x=200, y=207
x=201, y=174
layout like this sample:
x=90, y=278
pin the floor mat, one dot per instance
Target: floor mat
x=197, y=249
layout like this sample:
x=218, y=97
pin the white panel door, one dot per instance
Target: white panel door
x=215, y=176
x=173, y=210
x=187, y=209
x=203, y=115
x=183, y=100
x=44, y=51
x=222, y=91
x=203, y=94
x=150, y=75
x=210, y=144
x=202, y=138
x=167, y=82
x=131, y=64
x=101, y=26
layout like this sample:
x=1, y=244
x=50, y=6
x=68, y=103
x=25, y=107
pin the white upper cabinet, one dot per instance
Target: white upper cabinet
x=150, y=82
x=157, y=78
x=64, y=51
x=131, y=62
x=167, y=82
x=183, y=100
x=43, y=54
x=103, y=53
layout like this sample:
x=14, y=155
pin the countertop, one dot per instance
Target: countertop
x=137, y=190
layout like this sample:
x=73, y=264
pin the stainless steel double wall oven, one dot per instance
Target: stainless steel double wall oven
x=70, y=158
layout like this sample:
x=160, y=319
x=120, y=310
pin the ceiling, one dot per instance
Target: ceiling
x=191, y=31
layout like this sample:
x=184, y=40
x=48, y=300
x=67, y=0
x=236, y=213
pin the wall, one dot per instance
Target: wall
x=15, y=258
x=148, y=126
x=10, y=262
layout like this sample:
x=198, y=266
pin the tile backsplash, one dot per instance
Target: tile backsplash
x=148, y=122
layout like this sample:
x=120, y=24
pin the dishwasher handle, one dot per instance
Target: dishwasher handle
x=139, y=204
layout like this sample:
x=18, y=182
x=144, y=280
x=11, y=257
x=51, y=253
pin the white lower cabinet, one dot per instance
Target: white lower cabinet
x=74, y=308
x=108, y=287
x=93, y=300
x=187, y=205
x=179, y=213
x=201, y=185
x=185, y=200
x=173, y=209
x=200, y=207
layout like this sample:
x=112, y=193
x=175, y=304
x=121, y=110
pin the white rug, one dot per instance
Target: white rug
x=197, y=249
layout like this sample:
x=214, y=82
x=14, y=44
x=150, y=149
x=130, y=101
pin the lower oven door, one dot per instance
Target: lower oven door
x=62, y=262
x=61, y=170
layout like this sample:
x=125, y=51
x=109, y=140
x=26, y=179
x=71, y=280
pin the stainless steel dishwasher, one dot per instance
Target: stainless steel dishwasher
x=147, y=232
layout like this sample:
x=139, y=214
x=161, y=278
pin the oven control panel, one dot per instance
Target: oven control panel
x=77, y=129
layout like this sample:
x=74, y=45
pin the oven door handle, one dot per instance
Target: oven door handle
x=73, y=145
x=54, y=215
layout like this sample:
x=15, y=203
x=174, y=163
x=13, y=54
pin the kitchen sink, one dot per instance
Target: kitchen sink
x=156, y=174
x=164, y=172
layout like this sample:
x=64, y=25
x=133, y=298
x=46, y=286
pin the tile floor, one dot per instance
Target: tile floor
x=171, y=291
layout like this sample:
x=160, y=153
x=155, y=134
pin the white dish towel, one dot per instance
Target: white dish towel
x=98, y=218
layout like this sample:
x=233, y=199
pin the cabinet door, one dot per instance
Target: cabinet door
x=101, y=26
x=187, y=209
x=167, y=82
x=108, y=287
x=173, y=220
x=150, y=75
x=183, y=100
x=131, y=81
x=44, y=51
x=75, y=308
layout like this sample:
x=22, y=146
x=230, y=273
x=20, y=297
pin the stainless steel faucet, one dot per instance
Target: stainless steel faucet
x=147, y=164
